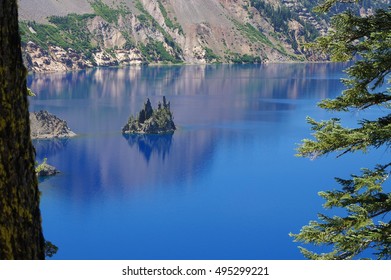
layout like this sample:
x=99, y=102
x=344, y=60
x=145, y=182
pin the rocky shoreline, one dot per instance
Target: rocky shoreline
x=45, y=170
x=115, y=33
x=44, y=125
x=57, y=59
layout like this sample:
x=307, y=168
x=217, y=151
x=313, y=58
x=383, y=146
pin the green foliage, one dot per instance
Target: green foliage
x=210, y=56
x=74, y=28
x=67, y=32
x=163, y=116
x=366, y=198
x=151, y=121
x=40, y=167
x=50, y=249
x=130, y=44
x=154, y=51
x=279, y=18
x=243, y=59
x=30, y=92
x=45, y=35
x=252, y=33
x=168, y=21
x=109, y=14
x=71, y=32
x=157, y=49
x=140, y=6
x=255, y=36
x=145, y=17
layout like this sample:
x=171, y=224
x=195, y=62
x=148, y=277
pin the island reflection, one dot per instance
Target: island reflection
x=150, y=143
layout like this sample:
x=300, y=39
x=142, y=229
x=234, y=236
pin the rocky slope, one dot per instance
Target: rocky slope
x=68, y=35
x=44, y=125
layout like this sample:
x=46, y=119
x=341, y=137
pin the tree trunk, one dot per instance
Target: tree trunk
x=20, y=218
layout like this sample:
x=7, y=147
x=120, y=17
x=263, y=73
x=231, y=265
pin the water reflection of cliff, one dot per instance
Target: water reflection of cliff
x=232, y=90
x=149, y=144
x=49, y=147
x=189, y=80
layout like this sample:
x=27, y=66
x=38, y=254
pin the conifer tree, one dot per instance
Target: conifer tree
x=20, y=218
x=365, y=197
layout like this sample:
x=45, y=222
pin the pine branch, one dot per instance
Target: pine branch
x=362, y=197
x=331, y=136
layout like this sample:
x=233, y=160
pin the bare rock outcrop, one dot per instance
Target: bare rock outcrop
x=55, y=59
x=111, y=33
x=44, y=125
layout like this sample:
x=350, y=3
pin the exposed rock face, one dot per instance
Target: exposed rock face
x=75, y=34
x=118, y=57
x=155, y=31
x=55, y=59
x=150, y=121
x=45, y=170
x=44, y=125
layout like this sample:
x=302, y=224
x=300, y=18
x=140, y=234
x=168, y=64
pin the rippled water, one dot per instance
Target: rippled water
x=225, y=185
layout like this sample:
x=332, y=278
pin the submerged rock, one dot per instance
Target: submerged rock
x=44, y=125
x=151, y=121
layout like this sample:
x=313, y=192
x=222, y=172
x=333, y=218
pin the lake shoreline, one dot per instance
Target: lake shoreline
x=182, y=64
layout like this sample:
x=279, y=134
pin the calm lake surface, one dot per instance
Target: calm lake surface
x=225, y=185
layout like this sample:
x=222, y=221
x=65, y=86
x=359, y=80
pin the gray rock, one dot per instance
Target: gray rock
x=44, y=125
x=44, y=170
x=151, y=121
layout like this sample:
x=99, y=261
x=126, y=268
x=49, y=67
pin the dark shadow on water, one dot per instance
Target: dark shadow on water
x=148, y=144
x=42, y=179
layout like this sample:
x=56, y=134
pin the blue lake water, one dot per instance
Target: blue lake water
x=225, y=185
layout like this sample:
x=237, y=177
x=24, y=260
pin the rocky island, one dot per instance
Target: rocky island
x=44, y=125
x=45, y=170
x=151, y=121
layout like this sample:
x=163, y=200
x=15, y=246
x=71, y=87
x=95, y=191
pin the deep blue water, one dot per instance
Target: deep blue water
x=226, y=185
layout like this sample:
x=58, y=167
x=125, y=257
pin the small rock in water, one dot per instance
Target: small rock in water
x=44, y=170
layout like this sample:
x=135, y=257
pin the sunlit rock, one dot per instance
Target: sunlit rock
x=44, y=125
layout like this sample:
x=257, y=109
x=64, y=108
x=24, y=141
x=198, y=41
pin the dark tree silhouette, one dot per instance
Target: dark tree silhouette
x=20, y=218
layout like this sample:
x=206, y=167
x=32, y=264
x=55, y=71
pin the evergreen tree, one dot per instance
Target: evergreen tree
x=20, y=219
x=365, y=197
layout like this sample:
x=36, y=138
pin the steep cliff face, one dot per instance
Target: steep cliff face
x=54, y=58
x=68, y=35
